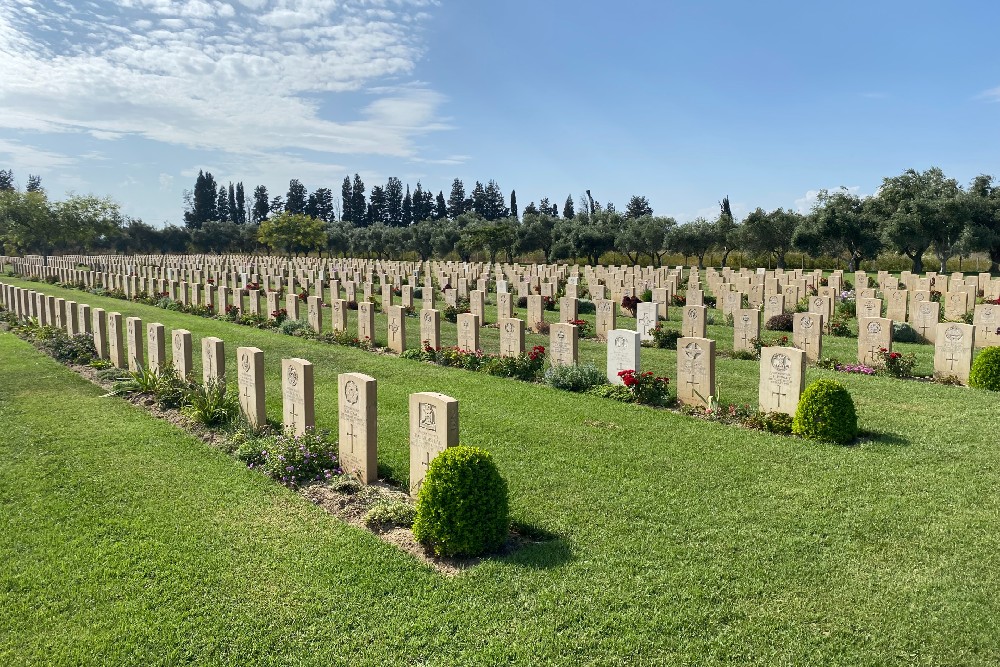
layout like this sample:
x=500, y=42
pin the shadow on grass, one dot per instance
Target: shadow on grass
x=882, y=438
x=537, y=548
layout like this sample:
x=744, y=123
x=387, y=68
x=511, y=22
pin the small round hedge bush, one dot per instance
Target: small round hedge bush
x=462, y=504
x=826, y=412
x=985, y=373
x=782, y=322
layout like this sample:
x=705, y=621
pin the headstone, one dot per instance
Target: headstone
x=366, y=321
x=511, y=337
x=314, y=313
x=623, y=353
x=116, y=341
x=298, y=397
x=397, y=329
x=807, y=334
x=953, y=350
x=606, y=319
x=338, y=309
x=358, y=425
x=895, y=308
x=924, y=319
x=956, y=305
x=773, y=305
x=746, y=327
x=693, y=323
x=536, y=312
x=292, y=306
x=213, y=361
x=477, y=305
x=568, y=309
x=433, y=428
x=182, y=356
x=250, y=374
x=430, y=328
x=468, y=332
x=869, y=308
x=505, y=306
x=156, y=340
x=987, y=321
x=695, y=297
x=134, y=343
x=874, y=334
x=646, y=318
x=822, y=305
x=782, y=378
x=100, y=326
x=563, y=344
x=695, y=371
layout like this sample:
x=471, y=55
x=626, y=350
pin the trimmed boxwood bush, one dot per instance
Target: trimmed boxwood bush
x=462, y=504
x=985, y=373
x=826, y=412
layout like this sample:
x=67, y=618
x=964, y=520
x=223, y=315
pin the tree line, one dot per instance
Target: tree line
x=913, y=215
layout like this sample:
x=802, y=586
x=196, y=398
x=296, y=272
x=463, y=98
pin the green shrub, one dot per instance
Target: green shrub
x=782, y=322
x=78, y=349
x=904, y=333
x=295, y=460
x=295, y=328
x=386, y=513
x=462, y=504
x=575, y=378
x=826, y=412
x=665, y=338
x=985, y=372
x=839, y=327
x=211, y=404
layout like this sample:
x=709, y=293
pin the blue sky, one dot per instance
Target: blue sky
x=765, y=102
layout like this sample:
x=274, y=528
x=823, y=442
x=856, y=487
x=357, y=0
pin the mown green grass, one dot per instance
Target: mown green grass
x=675, y=541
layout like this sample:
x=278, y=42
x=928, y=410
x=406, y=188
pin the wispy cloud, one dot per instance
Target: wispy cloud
x=239, y=77
x=805, y=203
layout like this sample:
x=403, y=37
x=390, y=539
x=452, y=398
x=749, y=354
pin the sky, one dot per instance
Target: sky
x=681, y=102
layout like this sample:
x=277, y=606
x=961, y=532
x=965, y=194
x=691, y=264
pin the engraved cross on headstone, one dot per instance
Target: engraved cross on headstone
x=778, y=394
x=350, y=434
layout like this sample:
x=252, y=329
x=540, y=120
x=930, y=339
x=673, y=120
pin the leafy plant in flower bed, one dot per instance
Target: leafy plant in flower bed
x=680, y=300
x=583, y=327
x=297, y=460
x=526, y=366
x=985, y=373
x=630, y=303
x=840, y=327
x=387, y=512
x=904, y=333
x=895, y=364
x=575, y=377
x=665, y=338
x=211, y=405
x=781, y=322
x=767, y=341
x=647, y=388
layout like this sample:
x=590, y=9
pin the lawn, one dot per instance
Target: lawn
x=674, y=541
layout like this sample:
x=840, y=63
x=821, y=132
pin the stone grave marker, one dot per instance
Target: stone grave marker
x=156, y=335
x=874, y=333
x=314, y=313
x=924, y=319
x=563, y=344
x=646, y=318
x=511, y=337
x=397, y=329
x=505, y=306
x=213, y=361
x=298, y=397
x=807, y=334
x=182, y=352
x=695, y=371
x=468, y=332
x=623, y=353
x=693, y=323
x=987, y=321
x=100, y=327
x=782, y=378
x=536, y=312
x=358, y=425
x=366, y=321
x=250, y=375
x=774, y=305
x=606, y=318
x=477, y=305
x=953, y=348
x=430, y=328
x=746, y=327
x=869, y=308
x=433, y=428
x=895, y=308
x=338, y=309
x=956, y=305
x=569, y=309
x=116, y=341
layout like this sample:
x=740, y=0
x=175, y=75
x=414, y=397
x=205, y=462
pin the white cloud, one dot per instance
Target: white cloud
x=805, y=203
x=31, y=159
x=166, y=181
x=241, y=81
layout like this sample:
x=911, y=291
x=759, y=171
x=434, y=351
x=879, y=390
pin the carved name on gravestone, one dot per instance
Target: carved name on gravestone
x=182, y=353
x=695, y=371
x=953, y=350
x=782, y=377
x=511, y=337
x=623, y=353
x=358, y=425
x=874, y=334
x=693, y=322
x=563, y=344
x=298, y=397
x=807, y=334
x=746, y=327
x=250, y=375
x=433, y=428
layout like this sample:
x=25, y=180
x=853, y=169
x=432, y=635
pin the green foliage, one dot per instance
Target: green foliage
x=575, y=377
x=840, y=327
x=665, y=338
x=386, y=513
x=826, y=412
x=904, y=333
x=647, y=388
x=296, y=460
x=985, y=373
x=298, y=328
x=211, y=404
x=526, y=366
x=462, y=505
x=292, y=233
x=895, y=364
x=782, y=322
x=78, y=349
